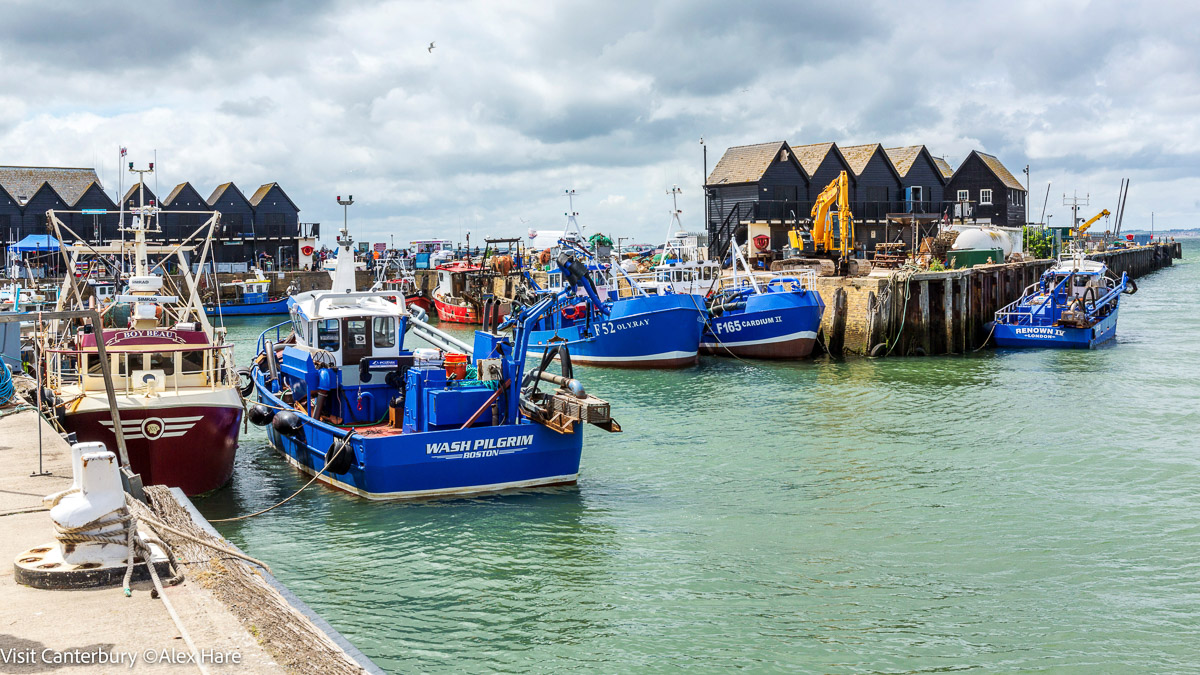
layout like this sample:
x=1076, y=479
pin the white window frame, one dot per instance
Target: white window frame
x=916, y=193
x=985, y=197
x=964, y=195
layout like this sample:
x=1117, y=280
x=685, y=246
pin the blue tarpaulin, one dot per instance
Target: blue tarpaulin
x=36, y=242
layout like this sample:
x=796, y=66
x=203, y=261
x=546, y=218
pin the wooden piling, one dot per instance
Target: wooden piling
x=837, y=331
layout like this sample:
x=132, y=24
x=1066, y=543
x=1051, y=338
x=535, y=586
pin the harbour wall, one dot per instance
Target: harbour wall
x=925, y=313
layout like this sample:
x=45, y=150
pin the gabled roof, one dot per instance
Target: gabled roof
x=45, y=186
x=131, y=193
x=748, y=163
x=811, y=155
x=997, y=168
x=69, y=183
x=220, y=192
x=859, y=156
x=904, y=158
x=262, y=191
x=944, y=167
x=178, y=192
x=174, y=193
x=99, y=188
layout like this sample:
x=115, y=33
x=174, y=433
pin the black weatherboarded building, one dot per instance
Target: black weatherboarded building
x=985, y=191
x=774, y=185
x=268, y=222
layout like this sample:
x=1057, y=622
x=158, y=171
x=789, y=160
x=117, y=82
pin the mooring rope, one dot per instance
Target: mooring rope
x=345, y=442
x=136, y=545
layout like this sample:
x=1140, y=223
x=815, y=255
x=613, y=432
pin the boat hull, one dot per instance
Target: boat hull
x=186, y=444
x=434, y=463
x=455, y=313
x=654, y=332
x=772, y=326
x=249, y=309
x=418, y=301
x=1056, y=337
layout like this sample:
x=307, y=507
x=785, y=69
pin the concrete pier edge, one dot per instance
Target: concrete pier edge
x=299, y=605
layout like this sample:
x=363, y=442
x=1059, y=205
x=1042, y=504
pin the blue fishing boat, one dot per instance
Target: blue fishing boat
x=641, y=331
x=252, y=297
x=344, y=397
x=1073, y=306
x=652, y=323
x=763, y=315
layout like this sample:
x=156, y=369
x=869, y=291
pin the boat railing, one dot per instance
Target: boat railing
x=212, y=369
x=790, y=279
x=1009, y=314
x=276, y=331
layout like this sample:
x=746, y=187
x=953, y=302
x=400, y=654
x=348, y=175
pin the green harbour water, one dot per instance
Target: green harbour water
x=1005, y=511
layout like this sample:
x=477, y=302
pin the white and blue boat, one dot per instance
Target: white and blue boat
x=1073, y=306
x=344, y=396
x=764, y=315
x=252, y=298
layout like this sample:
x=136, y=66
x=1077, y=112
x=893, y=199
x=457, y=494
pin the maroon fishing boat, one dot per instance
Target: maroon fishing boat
x=177, y=392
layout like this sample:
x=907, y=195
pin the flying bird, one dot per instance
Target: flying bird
x=431, y=47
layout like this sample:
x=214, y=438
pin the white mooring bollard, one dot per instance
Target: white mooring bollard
x=99, y=498
x=94, y=507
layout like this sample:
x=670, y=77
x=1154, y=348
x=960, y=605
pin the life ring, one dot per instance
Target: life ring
x=761, y=242
x=575, y=312
x=306, y=250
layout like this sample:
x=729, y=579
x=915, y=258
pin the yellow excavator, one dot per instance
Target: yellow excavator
x=837, y=193
x=1084, y=227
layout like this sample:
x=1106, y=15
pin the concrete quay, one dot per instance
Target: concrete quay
x=44, y=630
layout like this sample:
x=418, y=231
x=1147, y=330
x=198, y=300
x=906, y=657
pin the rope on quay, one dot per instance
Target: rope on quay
x=135, y=545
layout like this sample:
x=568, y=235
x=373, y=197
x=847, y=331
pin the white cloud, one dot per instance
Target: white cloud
x=520, y=101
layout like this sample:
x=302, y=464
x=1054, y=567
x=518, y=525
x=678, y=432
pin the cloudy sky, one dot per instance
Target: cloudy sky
x=522, y=100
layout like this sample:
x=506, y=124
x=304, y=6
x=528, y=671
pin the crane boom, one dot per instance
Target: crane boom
x=1092, y=221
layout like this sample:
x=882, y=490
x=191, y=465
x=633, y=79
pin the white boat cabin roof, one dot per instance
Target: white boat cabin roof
x=316, y=305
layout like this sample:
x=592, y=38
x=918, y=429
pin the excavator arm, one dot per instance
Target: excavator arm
x=1084, y=227
x=835, y=194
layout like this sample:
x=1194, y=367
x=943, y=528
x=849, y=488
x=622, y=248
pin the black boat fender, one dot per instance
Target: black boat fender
x=245, y=382
x=289, y=424
x=1131, y=287
x=338, y=462
x=260, y=415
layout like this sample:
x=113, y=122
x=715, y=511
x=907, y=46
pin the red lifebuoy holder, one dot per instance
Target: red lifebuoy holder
x=761, y=242
x=575, y=312
x=306, y=250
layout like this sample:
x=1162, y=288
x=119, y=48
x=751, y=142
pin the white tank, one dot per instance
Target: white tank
x=976, y=238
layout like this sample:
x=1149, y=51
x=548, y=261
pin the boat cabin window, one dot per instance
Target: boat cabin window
x=327, y=335
x=191, y=362
x=385, y=332
x=93, y=365
x=163, y=361
x=298, y=325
